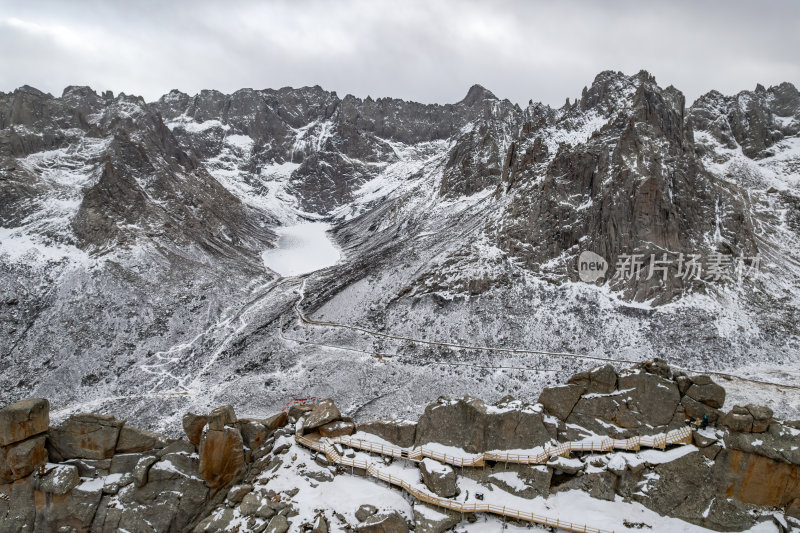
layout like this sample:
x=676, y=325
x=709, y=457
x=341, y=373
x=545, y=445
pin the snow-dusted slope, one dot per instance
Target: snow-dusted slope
x=456, y=223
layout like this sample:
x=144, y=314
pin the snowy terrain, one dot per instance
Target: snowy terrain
x=431, y=282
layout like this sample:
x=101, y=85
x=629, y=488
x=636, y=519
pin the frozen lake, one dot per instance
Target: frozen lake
x=301, y=249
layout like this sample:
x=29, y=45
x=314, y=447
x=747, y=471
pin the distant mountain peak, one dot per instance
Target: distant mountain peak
x=478, y=93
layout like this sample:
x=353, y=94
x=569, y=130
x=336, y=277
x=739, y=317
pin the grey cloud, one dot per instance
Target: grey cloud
x=426, y=51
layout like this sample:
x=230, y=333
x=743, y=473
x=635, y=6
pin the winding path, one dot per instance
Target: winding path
x=327, y=446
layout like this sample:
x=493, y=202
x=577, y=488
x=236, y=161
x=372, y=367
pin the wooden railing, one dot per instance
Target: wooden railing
x=326, y=446
x=677, y=436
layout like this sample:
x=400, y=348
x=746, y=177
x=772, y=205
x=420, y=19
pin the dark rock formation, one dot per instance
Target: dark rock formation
x=398, y=432
x=476, y=427
x=439, y=478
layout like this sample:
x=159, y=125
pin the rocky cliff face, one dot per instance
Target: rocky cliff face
x=97, y=473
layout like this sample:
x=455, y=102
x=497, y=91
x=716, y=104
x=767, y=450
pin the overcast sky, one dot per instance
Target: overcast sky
x=429, y=51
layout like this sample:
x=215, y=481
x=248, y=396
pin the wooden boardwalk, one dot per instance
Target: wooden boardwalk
x=326, y=446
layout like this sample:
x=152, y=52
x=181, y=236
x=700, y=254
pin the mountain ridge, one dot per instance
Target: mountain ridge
x=132, y=235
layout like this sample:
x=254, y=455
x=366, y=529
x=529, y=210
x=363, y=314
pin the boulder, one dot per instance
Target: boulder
x=475, y=427
x=439, y=478
x=93, y=467
x=384, y=523
x=58, y=479
x=694, y=410
x=177, y=446
x=221, y=456
x=581, y=379
x=277, y=420
x=254, y=432
x=173, y=495
x=296, y=412
x=193, y=426
x=762, y=417
x=123, y=462
x=278, y=524
x=320, y=525
x=778, y=443
x=220, y=417
x=322, y=413
x=659, y=367
x=683, y=383
x=559, y=401
x=398, y=432
x=525, y=481
x=429, y=519
x=738, y=419
x=706, y=391
x=602, y=380
x=643, y=402
x=337, y=429
x=703, y=439
x=253, y=504
x=365, y=511
x=142, y=469
x=20, y=459
x=567, y=465
x=238, y=492
x=86, y=436
x=132, y=440
x=24, y=419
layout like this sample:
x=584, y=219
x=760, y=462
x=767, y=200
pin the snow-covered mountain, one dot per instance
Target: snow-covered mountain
x=132, y=240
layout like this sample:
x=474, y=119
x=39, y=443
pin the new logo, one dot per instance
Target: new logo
x=591, y=266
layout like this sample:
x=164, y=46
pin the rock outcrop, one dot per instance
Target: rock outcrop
x=472, y=425
x=439, y=478
x=252, y=474
x=22, y=439
x=398, y=432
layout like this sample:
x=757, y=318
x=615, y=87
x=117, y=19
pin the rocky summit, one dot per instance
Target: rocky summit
x=737, y=471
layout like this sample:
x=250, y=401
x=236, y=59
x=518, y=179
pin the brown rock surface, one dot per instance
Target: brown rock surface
x=337, y=429
x=221, y=456
x=221, y=416
x=133, y=440
x=86, y=436
x=277, y=420
x=22, y=458
x=193, y=426
x=738, y=419
x=322, y=413
x=23, y=419
x=760, y=480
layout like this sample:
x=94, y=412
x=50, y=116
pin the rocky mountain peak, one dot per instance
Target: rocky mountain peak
x=477, y=94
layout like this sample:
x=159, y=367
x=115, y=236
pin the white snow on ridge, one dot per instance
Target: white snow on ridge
x=192, y=126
